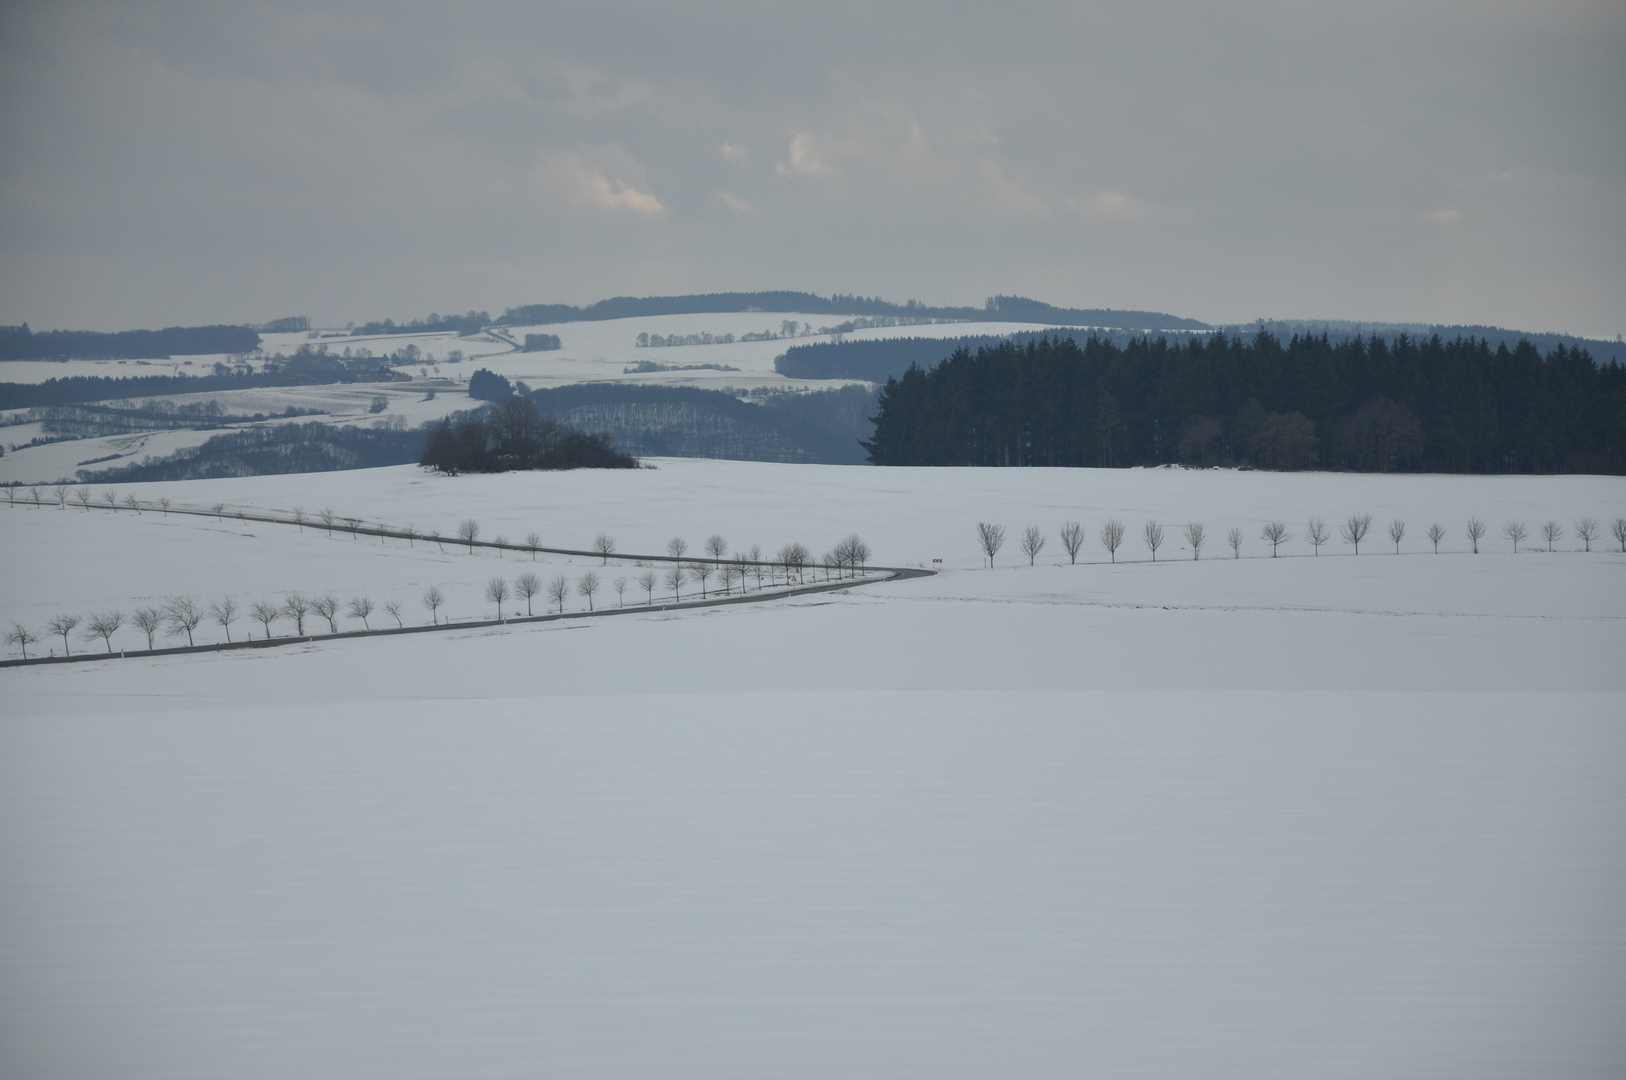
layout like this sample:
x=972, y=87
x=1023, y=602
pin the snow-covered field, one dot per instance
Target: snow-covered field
x=590, y=352
x=1337, y=816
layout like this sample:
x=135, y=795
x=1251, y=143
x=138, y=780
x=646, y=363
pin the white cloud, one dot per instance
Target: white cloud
x=603, y=178
x=735, y=203
x=733, y=153
x=806, y=157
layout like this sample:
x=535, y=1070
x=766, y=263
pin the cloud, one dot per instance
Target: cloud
x=599, y=178
x=735, y=203
x=806, y=157
x=733, y=153
x=1447, y=216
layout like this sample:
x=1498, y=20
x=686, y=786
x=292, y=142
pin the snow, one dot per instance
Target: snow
x=1338, y=816
x=591, y=352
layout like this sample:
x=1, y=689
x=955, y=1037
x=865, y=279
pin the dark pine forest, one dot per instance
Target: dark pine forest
x=1366, y=405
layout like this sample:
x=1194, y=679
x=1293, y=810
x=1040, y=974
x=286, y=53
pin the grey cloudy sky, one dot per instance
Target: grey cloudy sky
x=182, y=163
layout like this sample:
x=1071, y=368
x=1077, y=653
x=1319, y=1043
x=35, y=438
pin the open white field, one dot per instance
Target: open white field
x=1337, y=816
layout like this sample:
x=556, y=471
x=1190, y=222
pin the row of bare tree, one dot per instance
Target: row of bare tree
x=182, y=615
x=991, y=537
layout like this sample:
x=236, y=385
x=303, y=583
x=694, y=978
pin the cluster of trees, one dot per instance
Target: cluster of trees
x=487, y=385
x=1362, y=404
x=469, y=323
x=21, y=343
x=1353, y=532
x=541, y=343
x=512, y=435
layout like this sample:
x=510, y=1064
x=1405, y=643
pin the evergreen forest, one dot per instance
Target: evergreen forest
x=1361, y=404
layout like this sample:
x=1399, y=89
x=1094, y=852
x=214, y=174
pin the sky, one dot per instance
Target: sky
x=182, y=163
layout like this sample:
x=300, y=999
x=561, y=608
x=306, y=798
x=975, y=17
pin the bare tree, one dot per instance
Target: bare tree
x=1153, y=535
x=63, y=624
x=83, y=496
x=533, y=541
x=604, y=544
x=499, y=542
x=701, y=571
x=1397, y=532
x=676, y=547
x=468, y=532
x=1355, y=529
x=1195, y=535
x=164, y=504
x=1476, y=532
x=858, y=552
x=1275, y=532
x=620, y=586
x=433, y=598
x=526, y=586
x=755, y=557
x=11, y=495
x=110, y=497
x=1514, y=531
x=22, y=637
x=264, y=613
x=587, y=586
x=354, y=525
x=296, y=607
x=558, y=589
x=224, y=612
x=1552, y=532
x=990, y=538
x=360, y=608
x=328, y=608
x=60, y=494
x=1032, y=542
x=1618, y=531
x=1234, y=538
x=647, y=581
x=104, y=626
x=1436, y=533
x=794, y=558
x=674, y=580
x=1587, y=530
x=38, y=499
x=1315, y=531
x=392, y=608
x=327, y=519
x=410, y=531
x=1112, y=537
x=299, y=517
x=496, y=593
x=133, y=503
x=1072, y=538
x=149, y=620
x=183, y=614
x=716, y=547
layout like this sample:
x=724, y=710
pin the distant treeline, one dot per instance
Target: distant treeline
x=1002, y=308
x=280, y=448
x=20, y=343
x=541, y=343
x=512, y=435
x=877, y=360
x=682, y=421
x=304, y=368
x=470, y=323
x=1362, y=404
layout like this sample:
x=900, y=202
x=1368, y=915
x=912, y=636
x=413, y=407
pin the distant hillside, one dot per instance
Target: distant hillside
x=20, y=343
x=1341, y=330
x=679, y=421
x=998, y=308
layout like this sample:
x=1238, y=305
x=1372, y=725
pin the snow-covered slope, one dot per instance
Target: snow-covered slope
x=1338, y=816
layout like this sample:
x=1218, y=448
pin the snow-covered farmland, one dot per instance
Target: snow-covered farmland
x=590, y=352
x=1334, y=815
